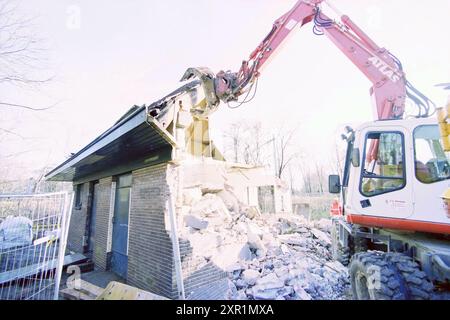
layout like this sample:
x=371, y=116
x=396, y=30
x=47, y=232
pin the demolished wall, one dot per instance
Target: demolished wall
x=275, y=256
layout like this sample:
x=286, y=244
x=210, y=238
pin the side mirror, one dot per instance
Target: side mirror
x=355, y=157
x=334, y=183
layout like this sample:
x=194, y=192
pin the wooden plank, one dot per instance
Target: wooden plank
x=87, y=291
x=119, y=291
x=90, y=289
x=71, y=294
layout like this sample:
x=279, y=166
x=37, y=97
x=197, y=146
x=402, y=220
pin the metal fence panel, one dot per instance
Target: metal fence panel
x=33, y=237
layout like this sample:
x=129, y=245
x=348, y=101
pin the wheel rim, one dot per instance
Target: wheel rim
x=362, y=291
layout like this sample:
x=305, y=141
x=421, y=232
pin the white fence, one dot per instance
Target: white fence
x=33, y=236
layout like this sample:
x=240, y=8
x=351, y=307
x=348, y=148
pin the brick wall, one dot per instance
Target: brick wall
x=196, y=273
x=150, y=255
x=103, y=198
x=77, y=227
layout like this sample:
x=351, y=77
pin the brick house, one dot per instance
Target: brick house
x=128, y=187
x=123, y=181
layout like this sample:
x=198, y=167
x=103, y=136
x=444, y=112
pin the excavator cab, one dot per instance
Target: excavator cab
x=399, y=159
x=383, y=171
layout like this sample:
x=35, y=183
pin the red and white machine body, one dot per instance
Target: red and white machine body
x=416, y=203
x=381, y=190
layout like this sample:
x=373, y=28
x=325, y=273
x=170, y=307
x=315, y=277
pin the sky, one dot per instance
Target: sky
x=106, y=56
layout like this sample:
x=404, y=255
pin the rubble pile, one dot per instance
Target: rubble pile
x=270, y=256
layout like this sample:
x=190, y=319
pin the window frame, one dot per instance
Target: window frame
x=362, y=176
x=415, y=159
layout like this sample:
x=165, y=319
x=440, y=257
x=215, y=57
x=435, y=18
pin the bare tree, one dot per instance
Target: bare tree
x=21, y=54
x=337, y=159
x=319, y=177
x=233, y=140
x=284, y=150
x=246, y=142
x=250, y=143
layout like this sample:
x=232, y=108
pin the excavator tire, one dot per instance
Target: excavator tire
x=372, y=277
x=418, y=285
x=378, y=275
x=344, y=255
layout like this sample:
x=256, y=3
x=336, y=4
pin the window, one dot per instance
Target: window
x=266, y=199
x=78, y=192
x=431, y=162
x=383, y=169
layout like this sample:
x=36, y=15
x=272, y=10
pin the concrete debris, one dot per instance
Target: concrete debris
x=266, y=256
x=250, y=276
x=230, y=200
x=323, y=224
x=195, y=222
x=293, y=239
x=191, y=195
x=252, y=212
x=210, y=205
x=321, y=236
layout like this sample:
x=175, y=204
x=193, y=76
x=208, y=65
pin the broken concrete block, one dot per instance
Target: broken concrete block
x=252, y=212
x=240, y=295
x=255, y=243
x=285, y=292
x=230, y=200
x=250, y=276
x=285, y=249
x=234, y=267
x=205, y=175
x=271, y=281
x=211, y=205
x=255, y=229
x=254, y=234
x=245, y=253
x=321, y=236
x=300, y=293
x=302, y=230
x=195, y=222
x=292, y=239
x=241, y=284
x=204, y=245
x=191, y=196
x=338, y=267
x=283, y=273
x=228, y=254
x=259, y=294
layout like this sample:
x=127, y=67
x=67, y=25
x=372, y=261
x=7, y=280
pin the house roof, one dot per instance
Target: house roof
x=136, y=140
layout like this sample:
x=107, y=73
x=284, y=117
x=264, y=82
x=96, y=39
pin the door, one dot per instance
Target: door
x=119, y=247
x=93, y=213
x=383, y=187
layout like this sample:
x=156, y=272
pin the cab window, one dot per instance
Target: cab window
x=383, y=165
x=431, y=162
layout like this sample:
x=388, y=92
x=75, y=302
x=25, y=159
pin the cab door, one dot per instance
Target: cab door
x=380, y=185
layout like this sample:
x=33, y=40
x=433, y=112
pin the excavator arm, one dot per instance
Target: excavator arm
x=389, y=85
